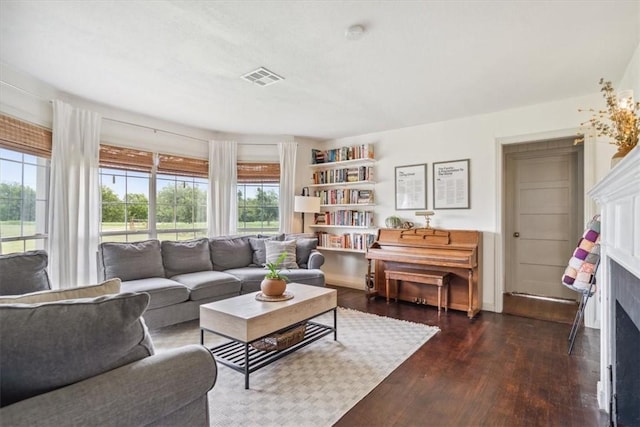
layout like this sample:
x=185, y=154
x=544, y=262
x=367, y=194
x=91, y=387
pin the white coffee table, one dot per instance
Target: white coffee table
x=243, y=320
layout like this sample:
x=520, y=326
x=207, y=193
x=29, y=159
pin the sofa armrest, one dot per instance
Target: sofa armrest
x=140, y=393
x=316, y=259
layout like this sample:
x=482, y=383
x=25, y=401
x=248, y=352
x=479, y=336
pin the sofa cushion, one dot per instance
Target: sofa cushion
x=275, y=249
x=51, y=345
x=131, y=261
x=209, y=284
x=186, y=256
x=105, y=288
x=24, y=272
x=251, y=277
x=230, y=252
x=163, y=291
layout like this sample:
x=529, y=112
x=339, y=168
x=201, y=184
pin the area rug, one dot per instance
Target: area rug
x=314, y=386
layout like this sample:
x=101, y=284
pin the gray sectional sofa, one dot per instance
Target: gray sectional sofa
x=181, y=275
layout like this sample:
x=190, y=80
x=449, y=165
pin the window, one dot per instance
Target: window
x=148, y=196
x=24, y=189
x=181, y=207
x=25, y=150
x=125, y=205
x=258, y=198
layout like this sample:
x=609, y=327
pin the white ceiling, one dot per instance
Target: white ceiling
x=418, y=62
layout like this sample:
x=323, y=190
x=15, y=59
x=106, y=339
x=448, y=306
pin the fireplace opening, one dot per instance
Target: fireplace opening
x=626, y=380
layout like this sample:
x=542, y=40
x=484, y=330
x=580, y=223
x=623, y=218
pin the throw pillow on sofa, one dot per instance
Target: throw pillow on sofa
x=131, y=261
x=275, y=249
x=51, y=345
x=24, y=272
x=185, y=257
x=304, y=247
x=259, y=255
x=109, y=287
x=305, y=244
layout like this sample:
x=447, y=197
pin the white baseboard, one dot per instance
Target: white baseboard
x=488, y=306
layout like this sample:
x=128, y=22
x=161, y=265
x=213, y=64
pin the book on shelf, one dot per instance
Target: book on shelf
x=354, y=241
x=364, y=196
x=332, y=176
x=342, y=196
x=346, y=218
x=320, y=218
x=355, y=152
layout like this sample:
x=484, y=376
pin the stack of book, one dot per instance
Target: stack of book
x=355, y=152
x=347, y=218
x=341, y=196
x=355, y=241
x=333, y=176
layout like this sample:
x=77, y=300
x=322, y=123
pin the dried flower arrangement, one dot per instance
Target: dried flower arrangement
x=620, y=123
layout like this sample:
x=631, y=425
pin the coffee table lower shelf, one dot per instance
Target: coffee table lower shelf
x=242, y=357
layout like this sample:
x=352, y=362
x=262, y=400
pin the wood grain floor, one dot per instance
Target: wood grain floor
x=526, y=306
x=494, y=370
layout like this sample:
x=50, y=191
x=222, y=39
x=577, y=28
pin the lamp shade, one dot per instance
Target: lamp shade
x=306, y=204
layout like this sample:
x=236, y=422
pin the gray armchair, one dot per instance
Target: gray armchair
x=167, y=389
x=84, y=357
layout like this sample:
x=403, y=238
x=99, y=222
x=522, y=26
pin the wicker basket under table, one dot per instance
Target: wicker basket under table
x=281, y=340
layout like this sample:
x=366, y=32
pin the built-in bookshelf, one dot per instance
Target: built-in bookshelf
x=343, y=180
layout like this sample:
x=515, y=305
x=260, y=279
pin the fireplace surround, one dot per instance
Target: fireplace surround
x=618, y=196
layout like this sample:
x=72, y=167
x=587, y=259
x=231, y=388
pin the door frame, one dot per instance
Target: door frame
x=592, y=312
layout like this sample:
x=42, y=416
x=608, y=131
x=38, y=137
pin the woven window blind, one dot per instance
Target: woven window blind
x=258, y=172
x=24, y=137
x=186, y=166
x=31, y=139
x=125, y=158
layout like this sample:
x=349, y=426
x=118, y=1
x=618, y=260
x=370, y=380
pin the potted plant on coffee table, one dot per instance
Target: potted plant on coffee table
x=274, y=283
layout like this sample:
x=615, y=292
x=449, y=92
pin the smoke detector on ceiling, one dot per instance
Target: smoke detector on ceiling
x=262, y=77
x=354, y=32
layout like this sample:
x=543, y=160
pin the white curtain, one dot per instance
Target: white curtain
x=74, y=196
x=222, y=199
x=287, y=152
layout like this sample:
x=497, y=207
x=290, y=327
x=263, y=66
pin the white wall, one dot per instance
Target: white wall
x=479, y=139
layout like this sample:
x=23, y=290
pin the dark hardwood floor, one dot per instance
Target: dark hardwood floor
x=563, y=311
x=494, y=370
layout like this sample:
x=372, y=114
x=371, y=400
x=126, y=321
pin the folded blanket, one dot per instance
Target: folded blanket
x=580, y=273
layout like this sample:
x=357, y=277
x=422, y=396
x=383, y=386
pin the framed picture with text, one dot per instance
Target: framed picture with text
x=411, y=187
x=451, y=185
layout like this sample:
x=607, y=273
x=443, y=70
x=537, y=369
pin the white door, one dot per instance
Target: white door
x=543, y=212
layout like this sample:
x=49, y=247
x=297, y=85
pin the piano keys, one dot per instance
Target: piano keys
x=457, y=252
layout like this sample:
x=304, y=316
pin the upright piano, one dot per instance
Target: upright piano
x=457, y=252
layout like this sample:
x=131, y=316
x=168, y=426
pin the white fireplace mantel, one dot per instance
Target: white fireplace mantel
x=618, y=196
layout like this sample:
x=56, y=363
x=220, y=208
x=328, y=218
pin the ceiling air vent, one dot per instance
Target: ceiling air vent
x=262, y=77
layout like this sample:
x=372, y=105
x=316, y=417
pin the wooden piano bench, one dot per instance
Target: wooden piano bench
x=436, y=278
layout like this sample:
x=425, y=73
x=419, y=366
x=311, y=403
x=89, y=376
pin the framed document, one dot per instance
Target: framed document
x=411, y=187
x=451, y=185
